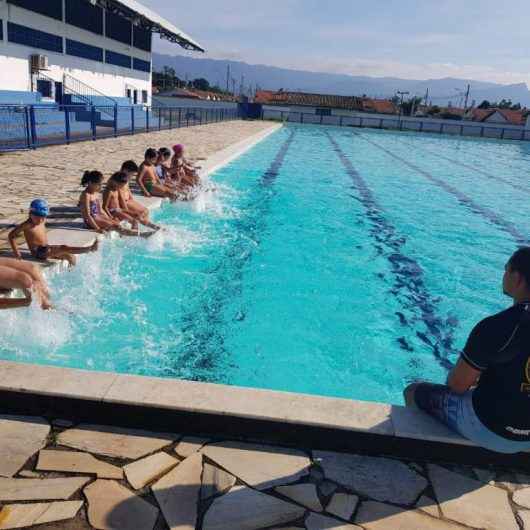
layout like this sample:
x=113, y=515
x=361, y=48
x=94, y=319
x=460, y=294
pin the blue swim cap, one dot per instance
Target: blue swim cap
x=40, y=208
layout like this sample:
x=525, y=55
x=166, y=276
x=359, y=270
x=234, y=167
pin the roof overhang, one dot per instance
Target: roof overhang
x=147, y=19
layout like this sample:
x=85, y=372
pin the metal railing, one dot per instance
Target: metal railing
x=32, y=126
x=77, y=88
x=453, y=127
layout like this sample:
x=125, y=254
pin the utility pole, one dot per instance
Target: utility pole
x=467, y=97
x=242, y=85
x=227, y=78
x=233, y=87
x=427, y=97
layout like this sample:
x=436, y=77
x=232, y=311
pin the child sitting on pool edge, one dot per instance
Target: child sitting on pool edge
x=34, y=230
x=148, y=180
x=93, y=214
x=132, y=207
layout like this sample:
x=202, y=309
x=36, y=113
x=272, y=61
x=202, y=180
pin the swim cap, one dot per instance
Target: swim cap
x=39, y=207
x=178, y=147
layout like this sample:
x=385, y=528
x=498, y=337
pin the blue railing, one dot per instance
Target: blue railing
x=32, y=126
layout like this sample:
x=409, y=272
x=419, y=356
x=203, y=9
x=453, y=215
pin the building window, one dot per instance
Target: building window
x=118, y=28
x=80, y=49
x=118, y=59
x=144, y=66
x=323, y=112
x=142, y=39
x=83, y=15
x=34, y=38
x=145, y=96
x=1, y=29
x=49, y=8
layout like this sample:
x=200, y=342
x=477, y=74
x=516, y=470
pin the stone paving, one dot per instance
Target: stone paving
x=54, y=475
x=55, y=172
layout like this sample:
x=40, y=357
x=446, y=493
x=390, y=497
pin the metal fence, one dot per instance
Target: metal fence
x=32, y=126
x=459, y=128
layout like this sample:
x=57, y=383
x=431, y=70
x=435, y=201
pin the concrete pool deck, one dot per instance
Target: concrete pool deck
x=335, y=463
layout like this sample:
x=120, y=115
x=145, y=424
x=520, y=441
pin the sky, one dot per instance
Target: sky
x=486, y=40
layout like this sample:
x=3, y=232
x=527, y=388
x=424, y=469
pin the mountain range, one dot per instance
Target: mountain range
x=441, y=91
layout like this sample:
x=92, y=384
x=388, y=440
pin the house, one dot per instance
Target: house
x=322, y=104
x=498, y=116
x=96, y=51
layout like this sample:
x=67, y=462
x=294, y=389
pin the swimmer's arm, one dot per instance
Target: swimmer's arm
x=121, y=201
x=13, y=235
x=462, y=377
x=106, y=202
x=87, y=216
x=141, y=182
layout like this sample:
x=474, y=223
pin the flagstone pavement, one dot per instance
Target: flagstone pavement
x=56, y=475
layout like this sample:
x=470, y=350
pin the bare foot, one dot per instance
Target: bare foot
x=147, y=235
x=94, y=247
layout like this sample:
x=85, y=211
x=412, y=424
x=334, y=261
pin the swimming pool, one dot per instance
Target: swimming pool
x=339, y=262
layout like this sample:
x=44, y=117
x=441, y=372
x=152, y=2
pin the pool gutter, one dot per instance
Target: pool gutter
x=222, y=411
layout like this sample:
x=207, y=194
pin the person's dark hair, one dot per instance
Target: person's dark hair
x=120, y=177
x=130, y=165
x=165, y=152
x=150, y=153
x=520, y=262
x=91, y=177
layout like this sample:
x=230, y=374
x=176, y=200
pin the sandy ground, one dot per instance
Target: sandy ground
x=55, y=172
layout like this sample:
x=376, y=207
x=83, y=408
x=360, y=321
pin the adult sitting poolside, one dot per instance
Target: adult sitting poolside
x=487, y=396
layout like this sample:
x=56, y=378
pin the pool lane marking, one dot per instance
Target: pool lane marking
x=407, y=271
x=465, y=200
x=472, y=167
x=202, y=330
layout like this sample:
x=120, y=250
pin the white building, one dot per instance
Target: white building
x=86, y=47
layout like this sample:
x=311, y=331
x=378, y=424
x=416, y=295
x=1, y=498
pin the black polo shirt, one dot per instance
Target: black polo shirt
x=499, y=347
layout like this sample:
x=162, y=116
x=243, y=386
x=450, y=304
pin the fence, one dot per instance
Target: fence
x=459, y=128
x=32, y=126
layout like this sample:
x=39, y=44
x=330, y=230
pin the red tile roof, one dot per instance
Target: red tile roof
x=513, y=117
x=325, y=100
x=306, y=99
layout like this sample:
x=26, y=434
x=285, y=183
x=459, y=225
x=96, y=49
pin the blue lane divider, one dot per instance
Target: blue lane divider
x=463, y=199
x=203, y=342
x=409, y=284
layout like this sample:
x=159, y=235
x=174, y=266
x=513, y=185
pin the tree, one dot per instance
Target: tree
x=201, y=84
x=485, y=104
x=433, y=110
x=412, y=103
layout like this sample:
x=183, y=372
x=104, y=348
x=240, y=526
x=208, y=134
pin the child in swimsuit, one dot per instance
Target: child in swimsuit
x=189, y=172
x=162, y=165
x=127, y=202
x=34, y=230
x=93, y=214
x=148, y=180
x=111, y=200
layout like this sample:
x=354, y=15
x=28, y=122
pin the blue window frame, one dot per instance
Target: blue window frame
x=144, y=66
x=34, y=38
x=49, y=8
x=80, y=49
x=118, y=28
x=84, y=15
x=142, y=39
x=119, y=59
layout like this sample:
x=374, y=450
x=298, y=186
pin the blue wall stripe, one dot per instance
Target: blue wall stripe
x=409, y=286
x=463, y=199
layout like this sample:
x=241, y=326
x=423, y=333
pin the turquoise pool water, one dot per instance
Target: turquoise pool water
x=339, y=262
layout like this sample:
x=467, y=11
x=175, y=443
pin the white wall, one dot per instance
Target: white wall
x=108, y=79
